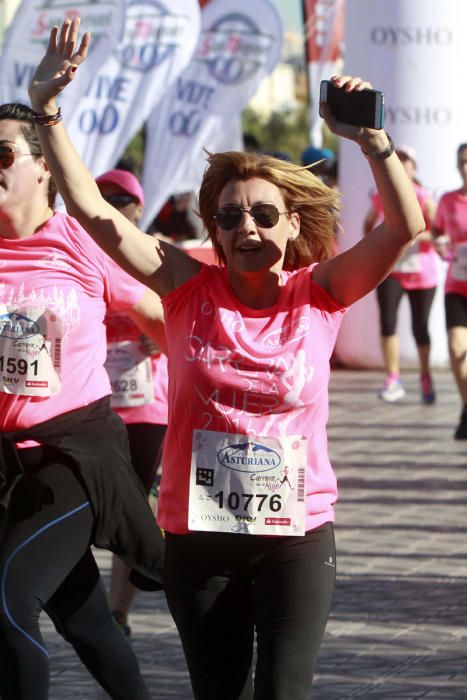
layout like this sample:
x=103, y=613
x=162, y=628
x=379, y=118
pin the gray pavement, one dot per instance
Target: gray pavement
x=399, y=623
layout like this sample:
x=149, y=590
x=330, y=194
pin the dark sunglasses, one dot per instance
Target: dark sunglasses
x=8, y=155
x=119, y=200
x=265, y=215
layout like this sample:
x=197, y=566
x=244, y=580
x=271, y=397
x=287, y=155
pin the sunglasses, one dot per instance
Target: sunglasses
x=119, y=200
x=265, y=215
x=8, y=155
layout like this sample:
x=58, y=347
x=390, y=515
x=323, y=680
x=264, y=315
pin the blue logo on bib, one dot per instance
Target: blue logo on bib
x=249, y=457
x=16, y=326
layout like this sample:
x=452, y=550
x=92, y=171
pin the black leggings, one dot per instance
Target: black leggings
x=389, y=293
x=221, y=587
x=45, y=562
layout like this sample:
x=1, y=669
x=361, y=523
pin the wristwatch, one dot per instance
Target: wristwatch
x=381, y=155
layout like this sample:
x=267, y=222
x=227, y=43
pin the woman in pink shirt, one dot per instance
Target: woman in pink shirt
x=66, y=480
x=415, y=274
x=248, y=492
x=450, y=233
x=139, y=385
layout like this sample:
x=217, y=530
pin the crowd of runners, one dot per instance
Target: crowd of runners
x=115, y=343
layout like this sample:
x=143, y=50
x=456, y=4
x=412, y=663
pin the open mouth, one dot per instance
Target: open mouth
x=248, y=248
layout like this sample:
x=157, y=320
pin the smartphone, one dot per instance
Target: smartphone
x=362, y=108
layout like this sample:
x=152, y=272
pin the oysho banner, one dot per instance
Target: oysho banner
x=157, y=42
x=28, y=35
x=413, y=51
x=235, y=52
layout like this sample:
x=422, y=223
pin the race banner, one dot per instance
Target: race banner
x=158, y=40
x=236, y=50
x=324, y=31
x=27, y=38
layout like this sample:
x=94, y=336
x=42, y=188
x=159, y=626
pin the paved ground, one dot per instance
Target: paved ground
x=399, y=624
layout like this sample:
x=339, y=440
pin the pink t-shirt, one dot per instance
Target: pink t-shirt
x=61, y=272
x=254, y=372
x=451, y=219
x=120, y=327
x=417, y=269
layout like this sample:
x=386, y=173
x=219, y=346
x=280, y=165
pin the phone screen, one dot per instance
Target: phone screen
x=364, y=108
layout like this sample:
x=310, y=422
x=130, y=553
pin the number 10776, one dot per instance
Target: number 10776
x=245, y=501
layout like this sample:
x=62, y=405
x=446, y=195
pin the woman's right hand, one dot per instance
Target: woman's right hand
x=58, y=65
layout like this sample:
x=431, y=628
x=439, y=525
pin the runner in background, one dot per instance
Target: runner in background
x=248, y=551
x=415, y=274
x=450, y=234
x=138, y=375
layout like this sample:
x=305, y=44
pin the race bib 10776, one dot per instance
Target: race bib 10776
x=242, y=484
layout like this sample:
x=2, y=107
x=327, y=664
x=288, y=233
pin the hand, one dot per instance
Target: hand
x=58, y=66
x=371, y=139
x=149, y=346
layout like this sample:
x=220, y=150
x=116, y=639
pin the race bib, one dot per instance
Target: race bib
x=130, y=374
x=247, y=485
x=410, y=261
x=459, y=262
x=30, y=351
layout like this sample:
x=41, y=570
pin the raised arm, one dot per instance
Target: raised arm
x=354, y=273
x=157, y=264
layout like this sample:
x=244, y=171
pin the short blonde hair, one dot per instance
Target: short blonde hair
x=303, y=192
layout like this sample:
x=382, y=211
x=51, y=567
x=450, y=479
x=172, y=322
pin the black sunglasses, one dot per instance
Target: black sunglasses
x=119, y=200
x=265, y=215
x=8, y=155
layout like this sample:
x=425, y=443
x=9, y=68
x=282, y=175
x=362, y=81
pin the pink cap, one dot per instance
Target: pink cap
x=125, y=180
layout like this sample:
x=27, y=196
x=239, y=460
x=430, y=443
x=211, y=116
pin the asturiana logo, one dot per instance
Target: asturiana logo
x=14, y=326
x=249, y=457
x=234, y=49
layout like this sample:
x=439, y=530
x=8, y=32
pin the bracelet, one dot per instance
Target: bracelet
x=48, y=119
x=381, y=155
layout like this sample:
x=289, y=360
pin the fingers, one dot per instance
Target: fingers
x=52, y=45
x=82, y=52
x=350, y=83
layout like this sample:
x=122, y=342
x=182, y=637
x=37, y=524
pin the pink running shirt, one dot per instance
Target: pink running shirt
x=427, y=276
x=121, y=327
x=60, y=268
x=451, y=219
x=254, y=372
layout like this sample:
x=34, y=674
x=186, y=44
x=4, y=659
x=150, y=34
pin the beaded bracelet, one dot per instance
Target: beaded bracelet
x=381, y=155
x=48, y=119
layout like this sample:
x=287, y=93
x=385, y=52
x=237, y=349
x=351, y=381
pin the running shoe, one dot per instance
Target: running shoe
x=122, y=624
x=427, y=389
x=392, y=390
x=461, y=430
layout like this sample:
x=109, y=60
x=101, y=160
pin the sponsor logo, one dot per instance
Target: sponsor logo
x=53, y=261
x=16, y=326
x=234, y=49
x=411, y=36
x=298, y=328
x=277, y=521
x=119, y=359
x=151, y=35
x=96, y=17
x=249, y=457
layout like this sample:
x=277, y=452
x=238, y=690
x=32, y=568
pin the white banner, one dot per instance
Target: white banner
x=410, y=50
x=324, y=31
x=237, y=48
x=27, y=38
x=158, y=41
